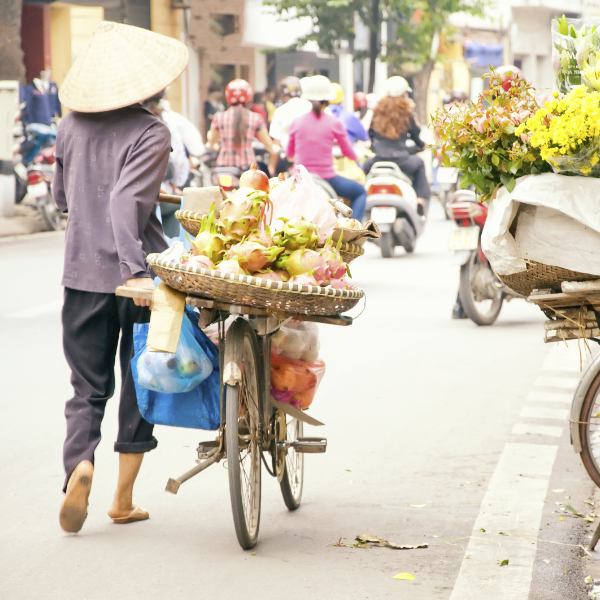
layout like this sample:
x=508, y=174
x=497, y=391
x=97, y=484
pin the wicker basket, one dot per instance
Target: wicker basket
x=190, y=220
x=348, y=252
x=539, y=276
x=251, y=291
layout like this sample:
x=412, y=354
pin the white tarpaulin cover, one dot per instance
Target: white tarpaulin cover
x=552, y=219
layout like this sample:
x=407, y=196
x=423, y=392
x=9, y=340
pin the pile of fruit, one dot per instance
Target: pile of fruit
x=240, y=241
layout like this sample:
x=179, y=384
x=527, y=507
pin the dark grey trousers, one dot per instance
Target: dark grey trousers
x=92, y=325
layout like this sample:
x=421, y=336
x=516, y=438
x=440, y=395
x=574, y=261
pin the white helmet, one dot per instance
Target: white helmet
x=396, y=87
x=317, y=88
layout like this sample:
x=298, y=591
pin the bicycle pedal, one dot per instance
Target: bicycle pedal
x=310, y=445
x=205, y=447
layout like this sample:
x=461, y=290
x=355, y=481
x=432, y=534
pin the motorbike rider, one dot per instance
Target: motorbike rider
x=312, y=137
x=293, y=106
x=350, y=121
x=236, y=127
x=392, y=126
x=360, y=105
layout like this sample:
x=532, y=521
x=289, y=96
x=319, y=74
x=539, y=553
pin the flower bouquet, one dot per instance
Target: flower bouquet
x=567, y=132
x=482, y=141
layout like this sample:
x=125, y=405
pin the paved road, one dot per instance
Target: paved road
x=437, y=429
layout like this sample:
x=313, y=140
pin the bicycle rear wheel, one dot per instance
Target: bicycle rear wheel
x=242, y=435
x=589, y=430
x=293, y=475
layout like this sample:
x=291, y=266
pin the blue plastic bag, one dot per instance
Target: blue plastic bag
x=198, y=408
x=175, y=373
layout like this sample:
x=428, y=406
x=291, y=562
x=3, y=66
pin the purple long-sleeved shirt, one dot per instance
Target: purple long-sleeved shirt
x=109, y=167
x=312, y=139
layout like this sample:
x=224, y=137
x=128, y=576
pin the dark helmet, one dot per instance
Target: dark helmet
x=290, y=86
x=238, y=91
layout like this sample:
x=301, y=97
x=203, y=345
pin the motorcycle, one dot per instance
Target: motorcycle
x=392, y=204
x=40, y=175
x=480, y=291
x=448, y=184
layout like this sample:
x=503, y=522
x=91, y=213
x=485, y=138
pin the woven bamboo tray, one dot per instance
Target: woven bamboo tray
x=348, y=252
x=190, y=220
x=539, y=276
x=251, y=291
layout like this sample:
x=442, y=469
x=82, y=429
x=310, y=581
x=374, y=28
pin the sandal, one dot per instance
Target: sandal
x=137, y=514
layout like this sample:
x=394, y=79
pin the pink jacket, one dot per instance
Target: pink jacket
x=311, y=143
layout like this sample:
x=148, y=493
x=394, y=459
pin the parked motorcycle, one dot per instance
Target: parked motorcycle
x=40, y=175
x=392, y=204
x=480, y=291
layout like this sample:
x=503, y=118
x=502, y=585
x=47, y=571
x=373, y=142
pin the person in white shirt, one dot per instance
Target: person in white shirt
x=293, y=107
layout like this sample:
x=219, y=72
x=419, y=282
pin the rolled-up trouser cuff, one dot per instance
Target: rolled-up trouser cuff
x=136, y=447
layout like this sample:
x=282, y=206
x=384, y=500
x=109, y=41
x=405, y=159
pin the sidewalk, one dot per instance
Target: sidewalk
x=26, y=220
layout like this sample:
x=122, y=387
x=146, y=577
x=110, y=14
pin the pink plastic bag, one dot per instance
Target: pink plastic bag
x=303, y=201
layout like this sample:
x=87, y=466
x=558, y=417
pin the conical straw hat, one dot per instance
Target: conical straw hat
x=121, y=65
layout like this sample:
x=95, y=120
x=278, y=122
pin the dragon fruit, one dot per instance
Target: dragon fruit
x=285, y=276
x=253, y=256
x=336, y=267
x=242, y=213
x=262, y=237
x=268, y=275
x=231, y=265
x=199, y=261
x=305, y=279
x=339, y=284
x=209, y=242
x=297, y=233
x=304, y=261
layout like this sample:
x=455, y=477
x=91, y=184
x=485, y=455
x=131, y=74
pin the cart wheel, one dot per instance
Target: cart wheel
x=293, y=476
x=242, y=403
x=589, y=430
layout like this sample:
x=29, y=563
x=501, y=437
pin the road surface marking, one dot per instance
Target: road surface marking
x=513, y=503
x=37, y=311
x=537, y=412
x=533, y=429
x=549, y=397
x=566, y=383
x=567, y=359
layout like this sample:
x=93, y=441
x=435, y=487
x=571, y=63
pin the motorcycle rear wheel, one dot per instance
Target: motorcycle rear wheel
x=387, y=244
x=481, y=312
x=52, y=216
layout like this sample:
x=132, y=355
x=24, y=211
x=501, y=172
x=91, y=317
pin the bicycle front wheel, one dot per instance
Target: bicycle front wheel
x=242, y=403
x=589, y=430
x=293, y=475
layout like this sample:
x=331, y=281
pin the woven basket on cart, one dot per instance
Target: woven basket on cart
x=251, y=291
x=539, y=276
x=190, y=220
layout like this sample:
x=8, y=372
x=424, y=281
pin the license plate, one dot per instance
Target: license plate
x=383, y=214
x=37, y=190
x=465, y=238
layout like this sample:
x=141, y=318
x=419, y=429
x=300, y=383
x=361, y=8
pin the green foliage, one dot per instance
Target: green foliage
x=481, y=141
x=416, y=23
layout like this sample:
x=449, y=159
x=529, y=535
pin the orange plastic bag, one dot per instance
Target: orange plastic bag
x=294, y=381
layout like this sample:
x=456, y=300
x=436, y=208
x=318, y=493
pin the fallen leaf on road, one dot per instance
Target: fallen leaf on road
x=363, y=540
x=418, y=505
x=565, y=571
x=588, y=519
x=573, y=510
x=502, y=563
x=502, y=533
x=546, y=561
x=589, y=502
x=482, y=530
x=559, y=491
x=561, y=518
x=588, y=579
x=406, y=576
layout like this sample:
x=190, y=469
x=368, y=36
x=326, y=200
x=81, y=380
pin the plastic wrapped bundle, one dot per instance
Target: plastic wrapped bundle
x=298, y=340
x=294, y=381
x=585, y=162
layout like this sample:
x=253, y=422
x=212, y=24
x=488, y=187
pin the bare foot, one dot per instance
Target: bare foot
x=73, y=511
